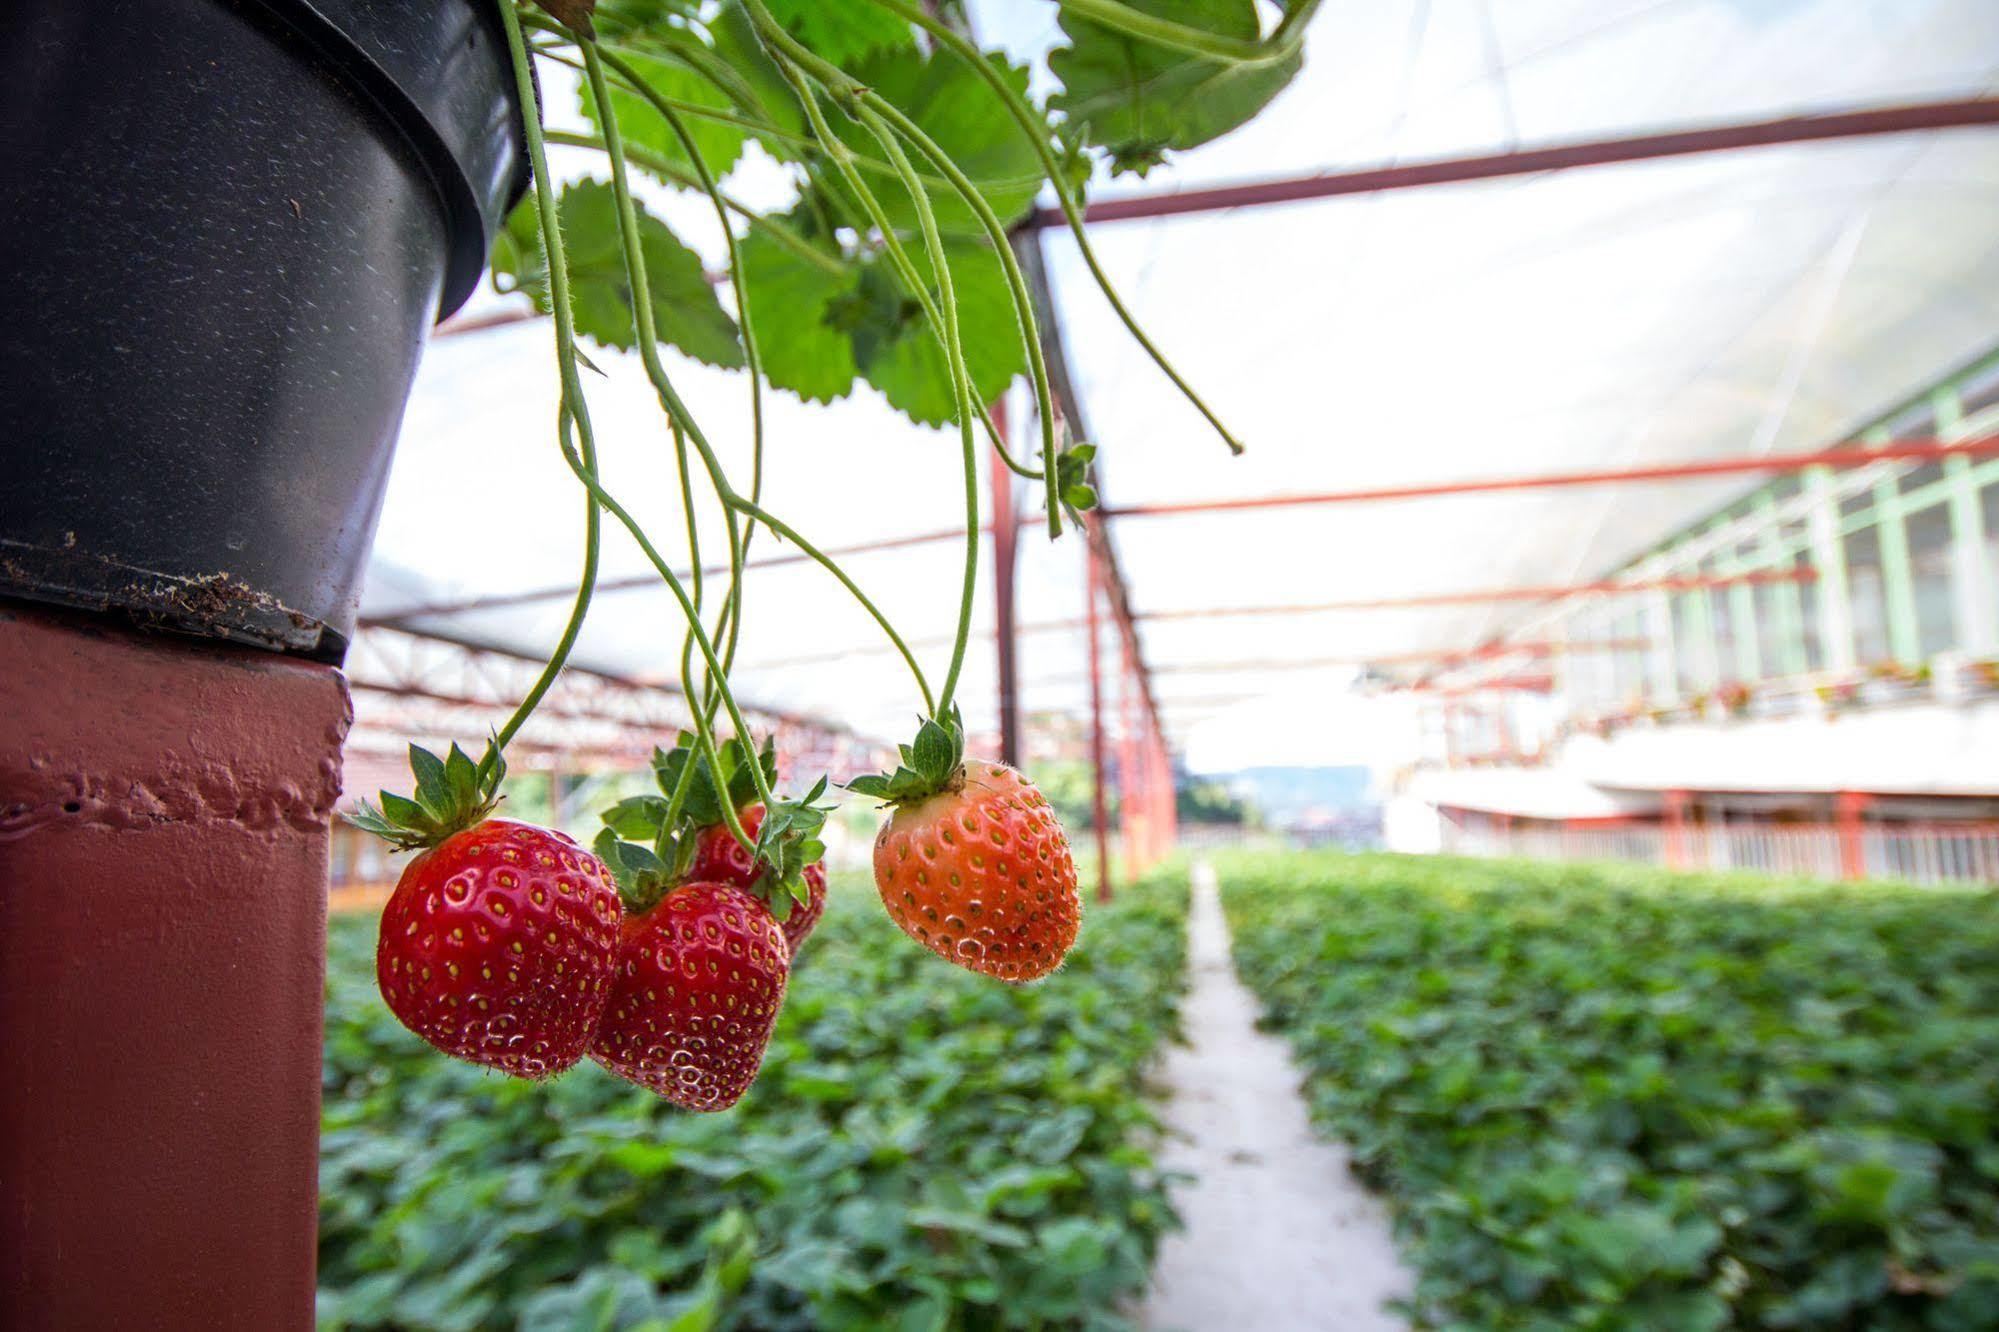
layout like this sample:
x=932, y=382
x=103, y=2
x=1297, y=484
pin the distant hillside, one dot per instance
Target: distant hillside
x=1291, y=795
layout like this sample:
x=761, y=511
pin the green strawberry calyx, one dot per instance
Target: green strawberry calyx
x=649, y=844
x=932, y=763
x=1072, y=479
x=452, y=794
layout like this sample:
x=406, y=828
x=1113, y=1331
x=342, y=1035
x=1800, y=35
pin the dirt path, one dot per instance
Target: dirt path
x=1279, y=1238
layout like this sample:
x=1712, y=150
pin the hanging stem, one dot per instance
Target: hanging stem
x=961, y=390
x=635, y=274
x=1036, y=131
x=1023, y=305
x=665, y=166
x=732, y=501
x=943, y=311
x=744, y=319
x=572, y=409
x=847, y=91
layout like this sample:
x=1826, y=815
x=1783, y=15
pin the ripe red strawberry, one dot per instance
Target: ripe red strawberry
x=497, y=947
x=698, y=984
x=979, y=871
x=720, y=858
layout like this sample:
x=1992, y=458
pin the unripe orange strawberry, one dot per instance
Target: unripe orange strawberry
x=980, y=872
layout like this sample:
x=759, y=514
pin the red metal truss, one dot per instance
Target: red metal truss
x=1480, y=596
x=440, y=689
x=1902, y=119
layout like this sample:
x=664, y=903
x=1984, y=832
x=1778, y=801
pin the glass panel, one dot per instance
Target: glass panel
x=1989, y=498
x=1930, y=570
x=1865, y=591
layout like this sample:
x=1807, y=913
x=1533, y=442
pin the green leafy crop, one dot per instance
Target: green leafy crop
x=1620, y=1098
x=925, y=1149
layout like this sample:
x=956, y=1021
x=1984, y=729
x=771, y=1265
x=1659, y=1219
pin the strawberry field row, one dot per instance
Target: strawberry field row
x=925, y=1149
x=1621, y=1098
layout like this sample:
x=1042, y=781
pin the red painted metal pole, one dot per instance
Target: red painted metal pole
x=1005, y=534
x=1098, y=813
x=1907, y=450
x=1848, y=809
x=165, y=815
x=1130, y=809
x=1544, y=592
x=1956, y=114
x=1676, y=828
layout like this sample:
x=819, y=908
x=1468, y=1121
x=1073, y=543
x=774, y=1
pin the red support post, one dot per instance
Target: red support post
x=1099, y=815
x=1677, y=803
x=165, y=816
x=1130, y=796
x=1849, y=807
x=1169, y=811
x=1006, y=532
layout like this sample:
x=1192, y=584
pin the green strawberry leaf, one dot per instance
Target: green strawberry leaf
x=433, y=788
x=687, y=313
x=899, y=354
x=793, y=304
x=637, y=817
x=952, y=104
x=462, y=775
x=640, y=874
x=1137, y=100
x=403, y=811
x=843, y=30
x=719, y=143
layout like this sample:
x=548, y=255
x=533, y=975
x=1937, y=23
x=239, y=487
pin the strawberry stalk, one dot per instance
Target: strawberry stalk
x=734, y=502
x=573, y=410
x=780, y=46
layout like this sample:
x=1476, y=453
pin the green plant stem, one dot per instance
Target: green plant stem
x=846, y=90
x=961, y=390
x=635, y=274
x=781, y=47
x=635, y=82
x=1247, y=52
x=1036, y=130
x=641, y=291
x=573, y=409
x=713, y=662
x=732, y=501
x=744, y=319
x=1023, y=305
x=664, y=166
x=812, y=552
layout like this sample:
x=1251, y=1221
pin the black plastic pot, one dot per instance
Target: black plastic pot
x=230, y=224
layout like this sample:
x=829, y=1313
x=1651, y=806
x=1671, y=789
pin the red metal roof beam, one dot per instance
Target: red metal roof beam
x=1906, y=450
x=1906, y=118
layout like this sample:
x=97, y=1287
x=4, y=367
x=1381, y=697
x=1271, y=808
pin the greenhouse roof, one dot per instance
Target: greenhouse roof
x=1769, y=300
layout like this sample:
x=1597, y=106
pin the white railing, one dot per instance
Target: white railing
x=1918, y=853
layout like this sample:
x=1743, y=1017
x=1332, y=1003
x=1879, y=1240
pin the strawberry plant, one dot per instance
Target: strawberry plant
x=924, y=1150
x=912, y=154
x=1622, y=1098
